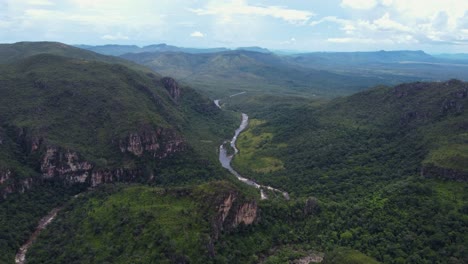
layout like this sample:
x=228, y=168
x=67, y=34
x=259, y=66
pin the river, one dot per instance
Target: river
x=226, y=159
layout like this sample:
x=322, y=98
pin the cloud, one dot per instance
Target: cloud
x=402, y=21
x=40, y=2
x=197, y=34
x=359, y=4
x=241, y=7
x=118, y=36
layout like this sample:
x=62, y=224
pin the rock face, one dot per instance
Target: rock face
x=172, y=87
x=159, y=143
x=64, y=164
x=232, y=212
x=11, y=185
x=56, y=163
x=432, y=171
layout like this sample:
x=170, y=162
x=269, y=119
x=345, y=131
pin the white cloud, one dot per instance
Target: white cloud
x=359, y=4
x=386, y=24
x=403, y=21
x=40, y=2
x=197, y=34
x=240, y=7
x=118, y=36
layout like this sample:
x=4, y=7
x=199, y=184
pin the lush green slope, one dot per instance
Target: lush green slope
x=363, y=156
x=138, y=224
x=82, y=121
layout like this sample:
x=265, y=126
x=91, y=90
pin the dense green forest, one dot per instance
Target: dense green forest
x=375, y=177
x=364, y=158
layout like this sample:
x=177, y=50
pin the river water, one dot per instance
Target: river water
x=226, y=159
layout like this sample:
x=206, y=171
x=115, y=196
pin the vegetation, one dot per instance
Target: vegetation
x=361, y=157
x=221, y=74
x=85, y=104
x=379, y=176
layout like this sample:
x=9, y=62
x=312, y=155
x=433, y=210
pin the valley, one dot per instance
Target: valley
x=331, y=162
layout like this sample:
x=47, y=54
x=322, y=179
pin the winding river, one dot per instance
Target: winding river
x=226, y=159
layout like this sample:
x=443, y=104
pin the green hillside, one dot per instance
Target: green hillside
x=68, y=123
x=10, y=53
x=136, y=224
x=388, y=165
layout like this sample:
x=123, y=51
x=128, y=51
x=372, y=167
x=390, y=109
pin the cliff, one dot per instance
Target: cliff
x=69, y=167
x=232, y=210
x=172, y=87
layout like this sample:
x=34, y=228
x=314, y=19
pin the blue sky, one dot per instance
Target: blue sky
x=435, y=26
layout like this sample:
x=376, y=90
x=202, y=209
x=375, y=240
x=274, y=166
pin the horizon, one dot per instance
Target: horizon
x=338, y=26
x=237, y=48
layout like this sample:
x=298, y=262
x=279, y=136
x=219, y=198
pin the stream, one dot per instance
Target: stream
x=226, y=159
x=20, y=257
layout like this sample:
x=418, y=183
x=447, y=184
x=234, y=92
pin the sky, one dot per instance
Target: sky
x=435, y=26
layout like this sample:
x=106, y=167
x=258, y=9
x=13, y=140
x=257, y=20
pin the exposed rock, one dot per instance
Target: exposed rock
x=226, y=206
x=118, y=175
x=232, y=212
x=246, y=214
x=312, y=258
x=432, y=171
x=157, y=142
x=16, y=186
x=65, y=165
x=172, y=87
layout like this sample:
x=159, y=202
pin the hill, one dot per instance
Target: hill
x=226, y=73
x=12, y=52
x=69, y=123
x=117, y=50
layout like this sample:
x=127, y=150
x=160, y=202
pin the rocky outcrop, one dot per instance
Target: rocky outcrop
x=117, y=175
x=433, y=171
x=11, y=185
x=246, y=214
x=66, y=165
x=232, y=212
x=159, y=143
x=172, y=87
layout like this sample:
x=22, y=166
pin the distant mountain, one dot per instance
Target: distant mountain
x=255, y=49
x=224, y=73
x=453, y=56
x=117, y=50
x=413, y=64
x=348, y=58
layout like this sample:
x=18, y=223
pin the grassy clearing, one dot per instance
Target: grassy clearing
x=256, y=150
